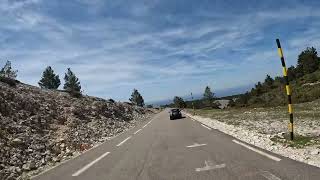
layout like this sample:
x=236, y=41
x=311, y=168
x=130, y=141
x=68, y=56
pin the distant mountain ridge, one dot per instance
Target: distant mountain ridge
x=218, y=93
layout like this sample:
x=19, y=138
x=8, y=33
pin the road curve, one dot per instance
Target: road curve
x=179, y=149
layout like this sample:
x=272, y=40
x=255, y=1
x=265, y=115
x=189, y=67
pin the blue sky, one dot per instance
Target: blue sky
x=161, y=47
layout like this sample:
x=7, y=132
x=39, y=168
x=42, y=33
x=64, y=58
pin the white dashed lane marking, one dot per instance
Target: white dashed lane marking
x=137, y=131
x=209, y=166
x=196, y=145
x=124, y=141
x=269, y=175
x=90, y=164
x=257, y=151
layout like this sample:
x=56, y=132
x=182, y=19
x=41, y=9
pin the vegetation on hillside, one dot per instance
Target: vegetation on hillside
x=208, y=101
x=8, y=72
x=303, y=80
x=49, y=79
x=72, y=84
x=179, y=102
x=136, y=98
x=8, y=75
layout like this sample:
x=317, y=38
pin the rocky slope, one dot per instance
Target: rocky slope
x=43, y=127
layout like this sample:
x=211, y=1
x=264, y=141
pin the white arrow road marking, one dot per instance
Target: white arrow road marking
x=124, y=141
x=196, y=145
x=257, y=151
x=269, y=175
x=206, y=126
x=90, y=164
x=210, y=166
x=137, y=131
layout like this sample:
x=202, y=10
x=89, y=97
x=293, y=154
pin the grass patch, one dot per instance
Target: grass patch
x=299, y=141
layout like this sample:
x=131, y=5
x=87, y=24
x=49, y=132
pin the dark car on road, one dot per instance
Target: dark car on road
x=175, y=114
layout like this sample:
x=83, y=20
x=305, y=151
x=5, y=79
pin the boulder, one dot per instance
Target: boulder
x=29, y=166
x=314, y=152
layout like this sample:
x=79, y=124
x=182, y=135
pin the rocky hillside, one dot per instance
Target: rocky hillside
x=43, y=127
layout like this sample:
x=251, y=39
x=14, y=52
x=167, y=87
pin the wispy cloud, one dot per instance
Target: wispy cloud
x=163, y=48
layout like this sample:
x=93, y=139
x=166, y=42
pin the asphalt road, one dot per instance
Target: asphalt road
x=178, y=149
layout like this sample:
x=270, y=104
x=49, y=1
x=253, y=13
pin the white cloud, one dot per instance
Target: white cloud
x=117, y=52
x=10, y=5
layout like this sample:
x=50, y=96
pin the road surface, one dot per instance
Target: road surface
x=163, y=149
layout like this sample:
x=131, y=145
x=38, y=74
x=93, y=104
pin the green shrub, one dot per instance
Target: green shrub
x=311, y=78
x=111, y=100
x=316, y=93
x=75, y=94
x=9, y=81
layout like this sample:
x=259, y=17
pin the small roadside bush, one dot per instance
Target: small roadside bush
x=311, y=78
x=111, y=100
x=9, y=81
x=75, y=94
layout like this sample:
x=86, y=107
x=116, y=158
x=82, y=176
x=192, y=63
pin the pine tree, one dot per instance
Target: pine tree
x=136, y=98
x=49, y=79
x=258, y=88
x=179, y=102
x=268, y=81
x=208, y=95
x=72, y=83
x=243, y=99
x=8, y=72
x=291, y=72
x=308, y=61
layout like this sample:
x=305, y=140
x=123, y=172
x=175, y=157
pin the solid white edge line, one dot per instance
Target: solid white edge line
x=124, y=141
x=206, y=126
x=257, y=151
x=90, y=164
x=145, y=126
x=137, y=131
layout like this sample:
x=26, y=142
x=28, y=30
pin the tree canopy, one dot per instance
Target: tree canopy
x=49, y=79
x=179, y=102
x=8, y=72
x=308, y=61
x=72, y=83
x=136, y=98
x=268, y=81
x=208, y=94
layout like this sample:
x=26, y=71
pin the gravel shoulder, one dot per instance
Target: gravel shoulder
x=267, y=128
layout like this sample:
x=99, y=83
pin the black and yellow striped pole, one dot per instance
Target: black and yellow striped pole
x=285, y=76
